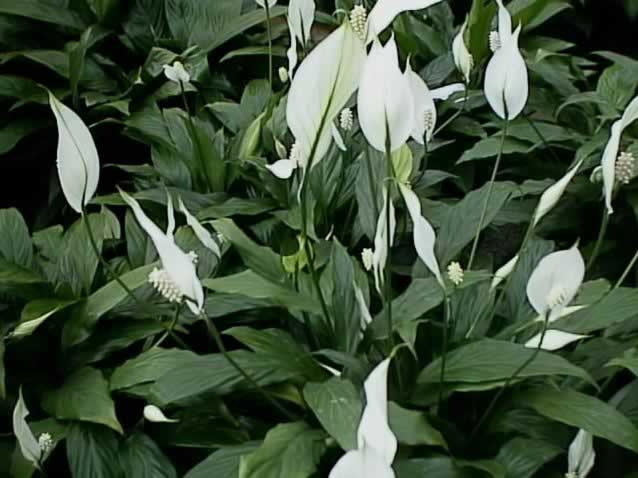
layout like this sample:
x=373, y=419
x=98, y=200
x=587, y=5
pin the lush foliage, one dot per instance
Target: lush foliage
x=264, y=236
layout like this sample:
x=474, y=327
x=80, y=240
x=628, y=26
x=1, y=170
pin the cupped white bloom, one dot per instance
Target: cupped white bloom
x=506, y=79
x=503, y=272
x=552, y=194
x=581, y=455
x=555, y=281
x=385, y=100
x=424, y=120
x=380, y=255
x=29, y=446
x=610, y=154
x=385, y=11
x=78, y=162
x=554, y=340
x=291, y=54
x=462, y=57
x=423, y=233
x=155, y=415
x=301, y=16
x=322, y=86
x=177, y=73
x=177, y=264
x=262, y=3
x=200, y=231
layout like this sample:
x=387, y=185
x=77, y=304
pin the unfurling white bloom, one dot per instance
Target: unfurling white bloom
x=385, y=100
x=625, y=167
x=501, y=274
x=581, y=455
x=376, y=443
x=555, y=281
x=29, y=446
x=423, y=233
x=610, y=154
x=385, y=11
x=346, y=119
x=455, y=273
x=46, y=443
x=364, y=311
x=462, y=57
x=367, y=257
x=424, y=109
x=495, y=41
x=552, y=194
x=200, y=231
x=177, y=73
x=380, y=255
x=554, y=340
x=178, y=274
x=283, y=74
x=284, y=168
x=506, y=77
x=155, y=415
x=78, y=162
x=262, y=3
x=359, y=21
x=301, y=16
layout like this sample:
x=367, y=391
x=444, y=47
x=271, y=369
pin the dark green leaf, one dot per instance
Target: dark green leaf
x=141, y=457
x=92, y=451
x=523, y=457
x=43, y=11
x=412, y=427
x=224, y=463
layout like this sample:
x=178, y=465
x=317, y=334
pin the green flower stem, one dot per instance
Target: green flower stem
x=388, y=235
x=216, y=336
x=446, y=327
x=193, y=131
x=604, y=223
x=489, y=197
x=115, y=276
x=171, y=327
x=513, y=377
x=627, y=270
x=269, y=29
x=455, y=115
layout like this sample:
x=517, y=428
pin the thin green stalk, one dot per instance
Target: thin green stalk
x=454, y=116
x=388, y=235
x=373, y=189
x=604, y=223
x=171, y=327
x=214, y=333
x=489, y=197
x=195, y=135
x=627, y=270
x=446, y=327
x=269, y=28
x=513, y=377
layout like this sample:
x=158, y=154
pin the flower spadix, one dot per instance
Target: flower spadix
x=376, y=443
x=301, y=16
x=506, y=77
x=385, y=99
x=462, y=57
x=610, y=154
x=78, y=162
x=581, y=455
x=323, y=84
x=555, y=281
x=178, y=276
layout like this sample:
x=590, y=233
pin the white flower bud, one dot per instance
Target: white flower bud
x=283, y=75
x=367, y=256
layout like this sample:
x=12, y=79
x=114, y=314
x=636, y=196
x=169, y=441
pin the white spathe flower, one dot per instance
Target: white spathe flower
x=292, y=56
x=155, y=415
x=177, y=264
x=385, y=100
x=555, y=281
x=177, y=73
x=462, y=57
x=262, y=3
x=425, y=116
x=385, y=11
x=554, y=340
x=581, y=455
x=380, y=255
x=423, y=233
x=200, y=231
x=78, y=162
x=29, y=446
x=364, y=311
x=552, y=194
x=506, y=77
x=323, y=84
x=284, y=168
x=503, y=272
x=301, y=16
x=610, y=154
x=376, y=443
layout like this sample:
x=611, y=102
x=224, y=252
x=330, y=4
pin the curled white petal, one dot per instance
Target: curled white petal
x=581, y=454
x=462, y=57
x=283, y=168
x=552, y=194
x=444, y=92
x=78, y=162
x=366, y=318
x=200, y=231
x=155, y=415
x=504, y=271
x=554, y=340
x=385, y=11
x=29, y=446
x=301, y=15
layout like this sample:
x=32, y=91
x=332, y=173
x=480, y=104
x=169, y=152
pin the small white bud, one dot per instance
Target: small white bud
x=283, y=75
x=367, y=256
x=194, y=257
x=155, y=415
x=596, y=176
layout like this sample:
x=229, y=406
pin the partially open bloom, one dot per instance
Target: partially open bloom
x=581, y=455
x=610, y=154
x=177, y=73
x=78, y=162
x=462, y=57
x=27, y=443
x=552, y=194
x=301, y=16
x=283, y=74
x=424, y=110
x=284, y=168
x=178, y=274
x=155, y=415
x=385, y=100
x=503, y=272
x=376, y=443
x=506, y=77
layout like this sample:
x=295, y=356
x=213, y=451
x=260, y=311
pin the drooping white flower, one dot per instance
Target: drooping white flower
x=506, y=77
x=422, y=232
x=337, y=138
x=179, y=273
x=385, y=100
x=555, y=281
x=155, y=415
x=262, y=3
x=200, y=231
x=462, y=57
x=503, y=272
x=385, y=11
x=346, y=119
x=177, y=73
x=78, y=162
x=301, y=16
x=552, y=194
x=581, y=455
x=380, y=254
x=284, y=168
x=376, y=443
x=455, y=273
x=554, y=340
x=29, y=446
